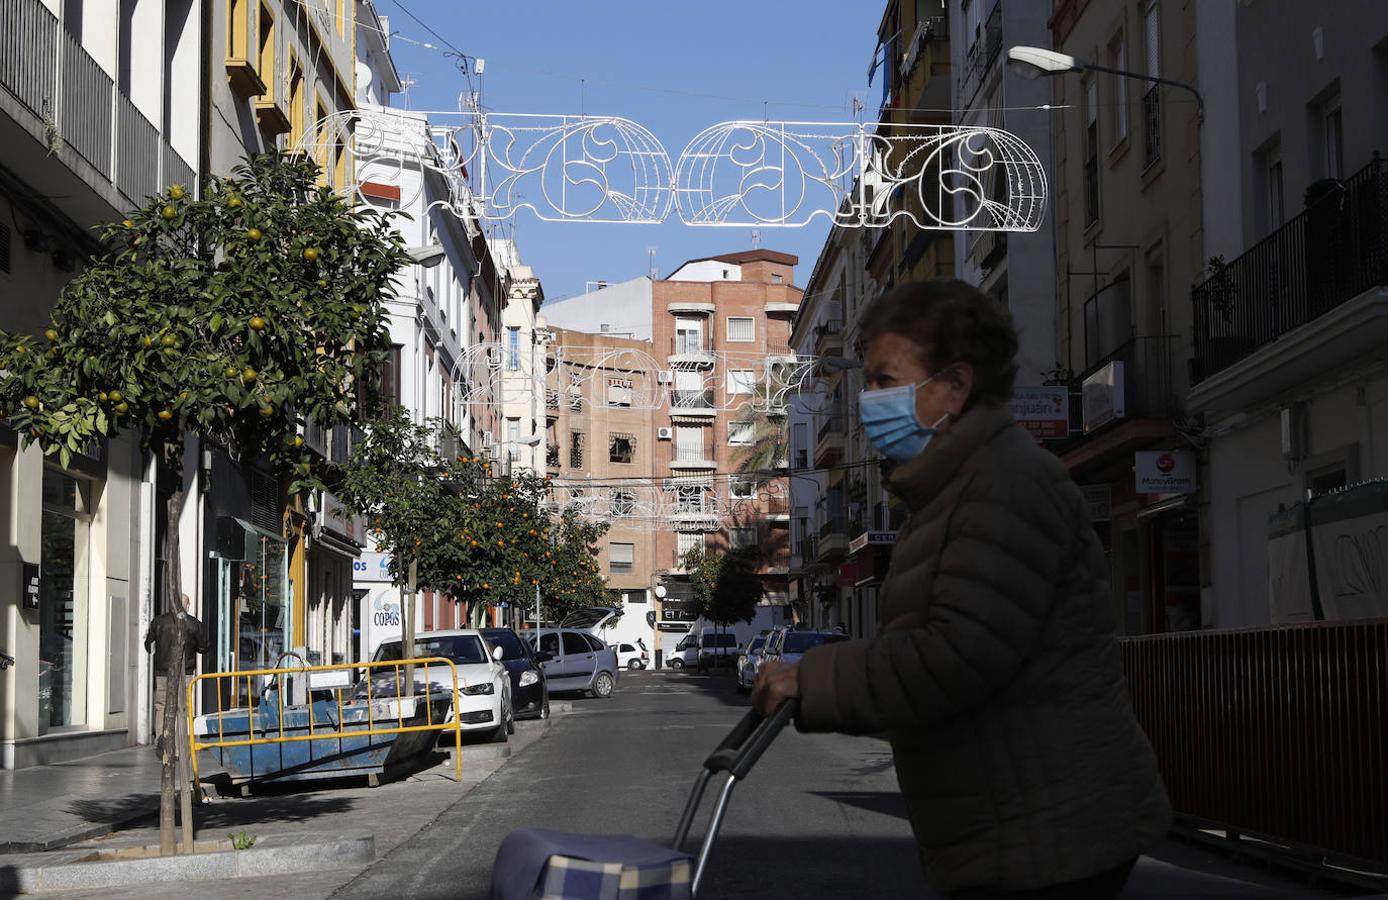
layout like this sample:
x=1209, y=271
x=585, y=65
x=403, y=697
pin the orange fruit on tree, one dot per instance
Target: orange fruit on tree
x=51, y=334
x=165, y=415
x=233, y=201
x=249, y=375
x=257, y=323
x=167, y=212
x=31, y=402
x=267, y=410
x=122, y=408
x=253, y=234
x=176, y=192
x=128, y=223
x=146, y=342
x=311, y=254
x=169, y=340
x=116, y=396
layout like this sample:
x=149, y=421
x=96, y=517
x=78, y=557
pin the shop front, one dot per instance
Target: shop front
x=860, y=575
x=254, y=620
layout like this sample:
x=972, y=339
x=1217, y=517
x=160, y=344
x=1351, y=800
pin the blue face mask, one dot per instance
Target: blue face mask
x=889, y=419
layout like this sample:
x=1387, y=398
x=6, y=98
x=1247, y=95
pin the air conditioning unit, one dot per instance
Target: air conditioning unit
x=665, y=376
x=664, y=434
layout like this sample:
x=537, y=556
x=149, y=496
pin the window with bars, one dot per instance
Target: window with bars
x=689, y=499
x=742, y=538
x=1151, y=99
x=689, y=335
x=689, y=443
x=742, y=329
x=576, y=450
x=513, y=348
x=621, y=447
x=621, y=558
x=623, y=504
x=686, y=543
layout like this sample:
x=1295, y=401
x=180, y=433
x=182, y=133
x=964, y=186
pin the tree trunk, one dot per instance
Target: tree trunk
x=168, y=778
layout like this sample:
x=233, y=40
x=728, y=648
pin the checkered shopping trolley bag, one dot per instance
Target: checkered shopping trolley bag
x=537, y=864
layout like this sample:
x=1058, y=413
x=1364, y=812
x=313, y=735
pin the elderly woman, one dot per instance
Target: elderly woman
x=996, y=674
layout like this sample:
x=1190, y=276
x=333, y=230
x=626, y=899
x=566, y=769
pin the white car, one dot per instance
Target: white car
x=483, y=701
x=633, y=656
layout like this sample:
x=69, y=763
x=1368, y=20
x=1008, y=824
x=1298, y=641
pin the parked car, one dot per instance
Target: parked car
x=789, y=644
x=483, y=700
x=529, y=693
x=717, y=647
x=633, y=656
x=747, y=660
x=576, y=661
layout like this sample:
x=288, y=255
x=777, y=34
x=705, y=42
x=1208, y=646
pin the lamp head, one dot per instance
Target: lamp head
x=1033, y=62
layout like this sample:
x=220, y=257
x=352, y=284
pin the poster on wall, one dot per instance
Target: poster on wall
x=1042, y=411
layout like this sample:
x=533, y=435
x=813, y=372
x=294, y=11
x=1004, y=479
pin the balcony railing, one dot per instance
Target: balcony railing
x=702, y=400
x=686, y=345
x=834, y=524
x=1276, y=733
x=831, y=425
x=980, y=57
x=50, y=74
x=690, y=455
x=1335, y=250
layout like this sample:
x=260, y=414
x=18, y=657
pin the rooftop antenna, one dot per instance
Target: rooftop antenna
x=406, y=83
x=756, y=238
x=651, y=269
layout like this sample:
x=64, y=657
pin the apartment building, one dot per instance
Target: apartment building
x=98, y=109
x=523, y=438
x=1287, y=367
x=844, y=522
x=1129, y=242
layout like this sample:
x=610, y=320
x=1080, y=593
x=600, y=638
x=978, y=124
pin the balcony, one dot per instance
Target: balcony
x=828, y=338
x=691, y=458
x=115, y=149
x=698, y=404
x=979, y=60
x=552, y=457
x=271, y=116
x=1254, y=331
x=831, y=441
x=833, y=539
x=694, y=517
x=690, y=351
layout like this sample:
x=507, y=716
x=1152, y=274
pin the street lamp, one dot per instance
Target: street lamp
x=428, y=256
x=1034, y=62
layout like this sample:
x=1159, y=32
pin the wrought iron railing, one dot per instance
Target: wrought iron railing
x=690, y=454
x=1335, y=250
x=691, y=399
x=1275, y=733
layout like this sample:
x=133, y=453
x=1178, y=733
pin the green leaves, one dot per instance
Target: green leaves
x=155, y=322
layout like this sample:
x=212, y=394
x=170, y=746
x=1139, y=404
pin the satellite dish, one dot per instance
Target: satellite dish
x=660, y=592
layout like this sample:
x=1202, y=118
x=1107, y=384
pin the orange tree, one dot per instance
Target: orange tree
x=473, y=535
x=230, y=318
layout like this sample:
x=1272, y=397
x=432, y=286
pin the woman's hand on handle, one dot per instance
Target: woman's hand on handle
x=776, y=682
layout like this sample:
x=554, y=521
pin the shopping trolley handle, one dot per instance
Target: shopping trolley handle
x=748, y=740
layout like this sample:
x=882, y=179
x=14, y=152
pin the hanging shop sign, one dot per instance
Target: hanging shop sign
x=1098, y=501
x=869, y=538
x=1103, y=396
x=1043, y=411
x=1165, y=472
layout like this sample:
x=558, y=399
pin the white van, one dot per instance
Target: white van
x=704, y=649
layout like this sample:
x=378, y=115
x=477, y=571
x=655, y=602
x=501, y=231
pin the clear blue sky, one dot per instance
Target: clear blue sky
x=674, y=67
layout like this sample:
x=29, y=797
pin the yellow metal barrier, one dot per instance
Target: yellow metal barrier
x=392, y=706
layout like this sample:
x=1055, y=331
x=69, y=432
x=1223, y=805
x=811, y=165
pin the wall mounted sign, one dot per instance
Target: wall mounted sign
x=1165, y=472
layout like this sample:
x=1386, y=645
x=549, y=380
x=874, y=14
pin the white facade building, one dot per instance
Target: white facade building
x=524, y=437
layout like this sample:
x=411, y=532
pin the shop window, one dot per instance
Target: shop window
x=63, y=602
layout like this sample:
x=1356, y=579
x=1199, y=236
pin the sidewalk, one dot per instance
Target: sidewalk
x=47, y=807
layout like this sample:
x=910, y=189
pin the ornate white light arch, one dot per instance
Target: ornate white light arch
x=741, y=173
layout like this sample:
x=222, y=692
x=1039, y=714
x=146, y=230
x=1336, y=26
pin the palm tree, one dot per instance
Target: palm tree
x=770, y=446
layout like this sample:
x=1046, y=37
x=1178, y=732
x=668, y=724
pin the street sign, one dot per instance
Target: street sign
x=1043, y=411
x=1165, y=472
x=871, y=537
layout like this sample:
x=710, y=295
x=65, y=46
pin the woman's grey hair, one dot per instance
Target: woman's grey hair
x=951, y=321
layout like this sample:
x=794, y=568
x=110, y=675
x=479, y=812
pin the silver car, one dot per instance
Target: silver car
x=789, y=644
x=747, y=659
x=574, y=660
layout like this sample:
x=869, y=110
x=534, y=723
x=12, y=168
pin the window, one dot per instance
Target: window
x=1151, y=99
x=320, y=112
x=296, y=102
x=1108, y=320
x=741, y=434
x=265, y=51
x=689, y=335
x=64, y=647
x=741, y=381
x=574, y=644
x=513, y=348
x=619, y=393
x=689, y=390
x=621, y=558
x=390, y=377
x=238, y=40
x=620, y=448
x=623, y=504
x=686, y=543
x=689, y=499
x=1091, y=151
x=689, y=443
x=597, y=645
x=777, y=278
x=799, y=432
x=1270, y=165
x=575, y=449
x=1118, y=59
x=742, y=329
x=1333, y=125
x=513, y=438
x=742, y=538
x=743, y=487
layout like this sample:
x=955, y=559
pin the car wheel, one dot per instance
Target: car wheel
x=603, y=683
x=510, y=721
x=634, y=665
x=677, y=664
x=501, y=734
x=544, y=710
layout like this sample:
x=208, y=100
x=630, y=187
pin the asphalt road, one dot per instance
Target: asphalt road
x=820, y=816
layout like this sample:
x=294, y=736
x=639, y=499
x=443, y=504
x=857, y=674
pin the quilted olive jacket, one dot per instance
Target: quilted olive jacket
x=996, y=674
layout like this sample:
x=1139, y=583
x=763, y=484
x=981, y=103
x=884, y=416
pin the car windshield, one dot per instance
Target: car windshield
x=757, y=644
x=800, y=641
x=505, y=638
x=460, y=648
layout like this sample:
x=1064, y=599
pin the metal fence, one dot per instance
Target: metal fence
x=1276, y=733
x=137, y=142
x=1336, y=249
x=29, y=53
x=86, y=105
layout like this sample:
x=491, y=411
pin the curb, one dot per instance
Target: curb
x=276, y=854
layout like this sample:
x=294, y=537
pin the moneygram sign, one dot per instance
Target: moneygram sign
x=1044, y=411
x=1165, y=472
